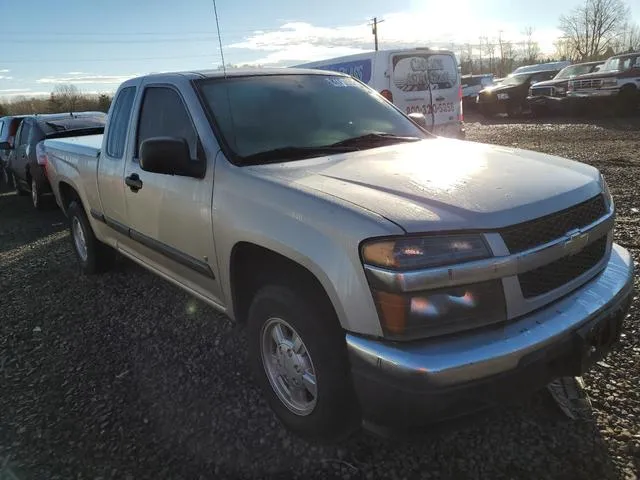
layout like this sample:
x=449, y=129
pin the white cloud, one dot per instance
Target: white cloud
x=84, y=78
x=438, y=24
x=17, y=92
x=4, y=77
x=4, y=70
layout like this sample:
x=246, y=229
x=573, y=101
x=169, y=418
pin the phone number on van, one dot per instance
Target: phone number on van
x=429, y=109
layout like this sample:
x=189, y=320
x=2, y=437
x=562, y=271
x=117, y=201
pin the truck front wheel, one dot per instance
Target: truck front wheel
x=298, y=355
x=93, y=255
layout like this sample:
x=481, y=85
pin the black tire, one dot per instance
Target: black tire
x=5, y=177
x=515, y=110
x=628, y=100
x=17, y=187
x=39, y=202
x=539, y=111
x=99, y=257
x=335, y=414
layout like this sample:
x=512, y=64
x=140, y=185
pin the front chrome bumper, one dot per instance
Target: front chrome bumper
x=437, y=364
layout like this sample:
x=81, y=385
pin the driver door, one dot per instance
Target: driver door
x=170, y=216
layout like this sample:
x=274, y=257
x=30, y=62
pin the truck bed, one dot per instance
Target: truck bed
x=88, y=145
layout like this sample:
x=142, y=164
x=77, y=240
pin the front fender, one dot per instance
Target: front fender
x=318, y=232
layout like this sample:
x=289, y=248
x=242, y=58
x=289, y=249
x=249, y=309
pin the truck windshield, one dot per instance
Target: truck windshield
x=298, y=114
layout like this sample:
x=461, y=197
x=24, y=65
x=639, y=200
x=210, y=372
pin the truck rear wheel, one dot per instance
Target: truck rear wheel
x=93, y=255
x=297, y=353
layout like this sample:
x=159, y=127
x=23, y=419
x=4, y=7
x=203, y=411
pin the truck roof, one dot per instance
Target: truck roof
x=240, y=72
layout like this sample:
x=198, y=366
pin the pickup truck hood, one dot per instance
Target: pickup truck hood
x=588, y=76
x=444, y=184
x=550, y=83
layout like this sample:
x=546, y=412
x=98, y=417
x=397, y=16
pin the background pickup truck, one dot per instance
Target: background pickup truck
x=382, y=274
x=617, y=82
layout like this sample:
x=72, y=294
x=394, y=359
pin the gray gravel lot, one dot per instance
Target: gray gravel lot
x=124, y=376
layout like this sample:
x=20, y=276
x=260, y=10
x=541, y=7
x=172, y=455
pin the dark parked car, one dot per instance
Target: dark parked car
x=26, y=166
x=510, y=95
x=551, y=95
x=8, y=128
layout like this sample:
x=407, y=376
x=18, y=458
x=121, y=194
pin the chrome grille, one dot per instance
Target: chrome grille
x=556, y=274
x=545, y=229
x=588, y=83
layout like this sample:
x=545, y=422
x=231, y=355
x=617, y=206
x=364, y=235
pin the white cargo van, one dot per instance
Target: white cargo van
x=421, y=80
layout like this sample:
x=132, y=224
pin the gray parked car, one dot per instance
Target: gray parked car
x=26, y=166
x=8, y=128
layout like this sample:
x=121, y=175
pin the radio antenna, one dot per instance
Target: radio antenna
x=224, y=66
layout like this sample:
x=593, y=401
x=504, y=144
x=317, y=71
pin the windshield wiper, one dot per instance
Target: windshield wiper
x=284, y=154
x=374, y=139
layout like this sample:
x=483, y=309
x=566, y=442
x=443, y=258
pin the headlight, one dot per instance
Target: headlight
x=408, y=253
x=609, y=82
x=420, y=314
x=559, y=90
x=408, y=316
x=503, y=96
x=608, y=198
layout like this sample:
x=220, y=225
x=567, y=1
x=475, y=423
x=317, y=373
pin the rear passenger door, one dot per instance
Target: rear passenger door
x=111, y=166
x=21, y=150
x=170, y=217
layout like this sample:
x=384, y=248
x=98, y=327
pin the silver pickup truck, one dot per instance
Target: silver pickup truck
x=384, y=276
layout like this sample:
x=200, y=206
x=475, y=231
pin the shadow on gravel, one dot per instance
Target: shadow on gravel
x=20, y=223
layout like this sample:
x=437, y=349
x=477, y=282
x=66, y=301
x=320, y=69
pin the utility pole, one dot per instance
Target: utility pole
x=374, y=29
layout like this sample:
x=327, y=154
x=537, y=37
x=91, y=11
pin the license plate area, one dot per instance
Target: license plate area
x=598, y=338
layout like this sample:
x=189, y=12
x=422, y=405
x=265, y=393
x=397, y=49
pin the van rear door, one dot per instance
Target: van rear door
x=428, y=83
x=410, y=84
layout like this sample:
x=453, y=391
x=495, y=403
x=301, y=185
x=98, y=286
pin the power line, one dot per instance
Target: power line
x=55, y=60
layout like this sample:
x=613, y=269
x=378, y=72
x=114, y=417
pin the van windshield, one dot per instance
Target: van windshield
x=264, y=113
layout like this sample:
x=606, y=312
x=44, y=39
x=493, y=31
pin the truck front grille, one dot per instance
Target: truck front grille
x=541, y=91
x=586, y=84
x=545, y=229
x=554, y=275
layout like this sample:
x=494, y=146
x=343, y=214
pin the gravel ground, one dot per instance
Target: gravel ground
x=124, y=376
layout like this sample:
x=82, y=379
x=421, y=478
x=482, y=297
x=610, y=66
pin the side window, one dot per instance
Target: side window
x=163, y=114
x=23, y=133
x=119, y=122
x=1, y=129
x=35, y=135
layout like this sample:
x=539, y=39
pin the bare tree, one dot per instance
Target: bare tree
x=563, y=49
x=490, y=50
x=629, y=39
x=67, y=97
x=594, y=27
x=531, y=49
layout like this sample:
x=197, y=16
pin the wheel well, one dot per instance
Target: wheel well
x=253, y=266
x=67, y=194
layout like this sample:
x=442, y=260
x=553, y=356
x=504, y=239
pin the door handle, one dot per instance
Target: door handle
x=439, y=99
x=133, y=182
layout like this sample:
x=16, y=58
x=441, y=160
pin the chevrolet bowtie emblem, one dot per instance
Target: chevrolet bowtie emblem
x=576, y=242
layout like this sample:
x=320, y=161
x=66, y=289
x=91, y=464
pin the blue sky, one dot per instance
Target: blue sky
x=97, y=44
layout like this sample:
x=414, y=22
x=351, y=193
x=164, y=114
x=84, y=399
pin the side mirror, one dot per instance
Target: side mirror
x=169, y=156
x=5, y=146
x=419, y=119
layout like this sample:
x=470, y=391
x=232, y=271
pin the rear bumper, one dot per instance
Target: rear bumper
x=424, y=381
